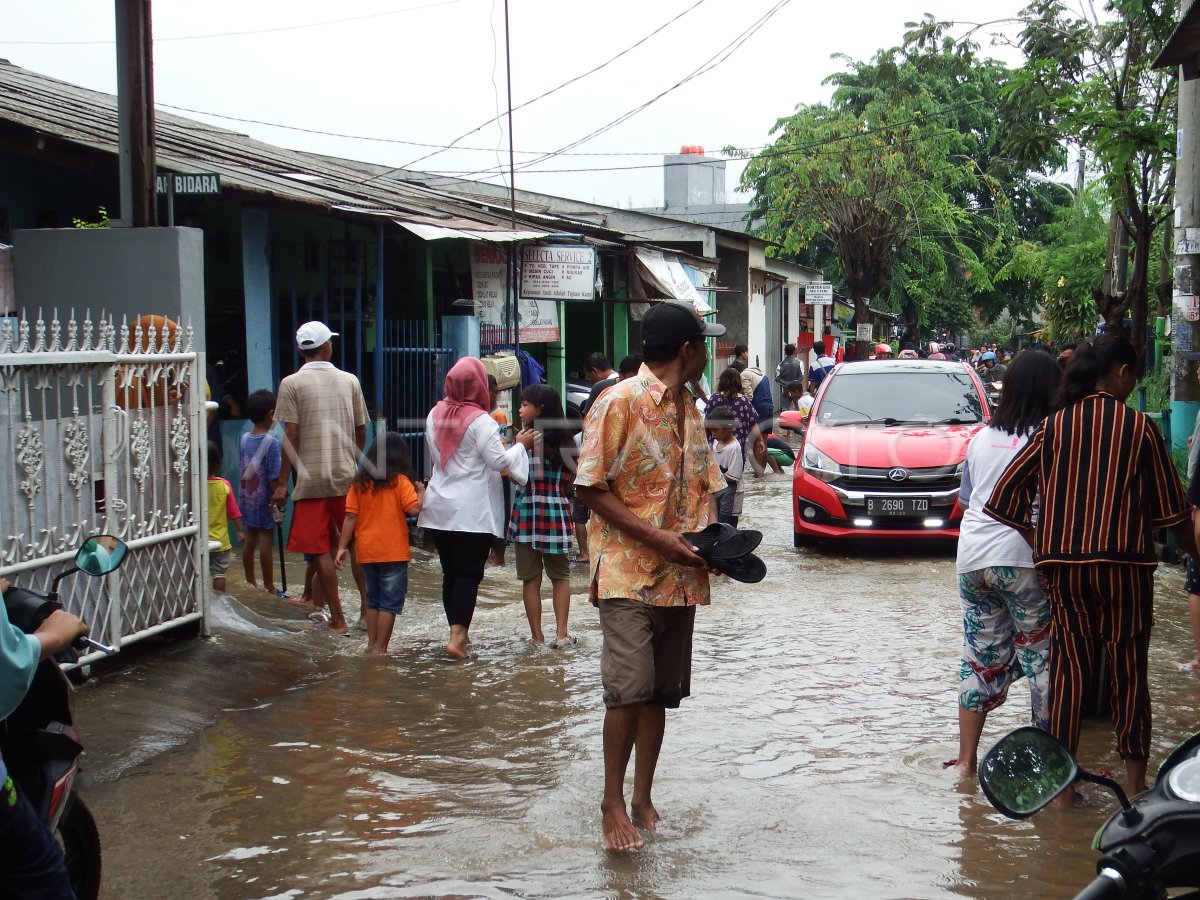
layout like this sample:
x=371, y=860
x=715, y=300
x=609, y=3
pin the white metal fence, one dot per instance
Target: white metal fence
x=102, y=431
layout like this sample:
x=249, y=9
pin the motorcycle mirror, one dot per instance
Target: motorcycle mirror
x=1025, y=770
x=101, y=554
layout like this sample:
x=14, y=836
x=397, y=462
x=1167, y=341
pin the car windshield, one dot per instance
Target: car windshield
x=900, y=398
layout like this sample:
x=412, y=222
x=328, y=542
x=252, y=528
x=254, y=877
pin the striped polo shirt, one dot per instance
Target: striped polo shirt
x=1103, y=479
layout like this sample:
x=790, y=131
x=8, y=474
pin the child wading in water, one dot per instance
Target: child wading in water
x=259, y=458
x=540, y=524
x=383, y=493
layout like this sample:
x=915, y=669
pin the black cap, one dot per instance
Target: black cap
x=669, y=321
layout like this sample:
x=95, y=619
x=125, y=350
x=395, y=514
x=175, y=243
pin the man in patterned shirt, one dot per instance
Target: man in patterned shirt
x=648, y=474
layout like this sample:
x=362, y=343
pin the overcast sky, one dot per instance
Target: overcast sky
x=426, y=71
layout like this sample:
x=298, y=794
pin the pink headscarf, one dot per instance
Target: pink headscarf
x=467, y=398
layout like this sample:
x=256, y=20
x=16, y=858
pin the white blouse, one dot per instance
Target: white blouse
x=464, y=492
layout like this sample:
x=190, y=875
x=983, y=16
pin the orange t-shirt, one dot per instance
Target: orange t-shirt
x=381, y=533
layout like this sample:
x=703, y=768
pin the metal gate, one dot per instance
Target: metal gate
x=101, y=432
x=414, y=377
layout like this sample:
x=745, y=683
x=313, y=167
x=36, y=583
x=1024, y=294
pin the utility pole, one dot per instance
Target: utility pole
x=1185, y=391
x=135, y=113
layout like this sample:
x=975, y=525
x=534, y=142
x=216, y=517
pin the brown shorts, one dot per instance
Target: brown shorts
x=647, y=653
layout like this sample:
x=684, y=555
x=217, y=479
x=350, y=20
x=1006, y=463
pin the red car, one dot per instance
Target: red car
x=883, y=451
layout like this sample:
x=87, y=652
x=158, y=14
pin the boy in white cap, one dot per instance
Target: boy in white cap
x=324, y=416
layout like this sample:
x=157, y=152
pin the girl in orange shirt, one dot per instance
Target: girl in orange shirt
x=384, y=492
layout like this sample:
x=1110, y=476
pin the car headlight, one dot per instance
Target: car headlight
x=819, y=465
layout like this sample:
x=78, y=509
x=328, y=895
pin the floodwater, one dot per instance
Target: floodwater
x=275, y=762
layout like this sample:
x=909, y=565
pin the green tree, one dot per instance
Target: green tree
x=904, y=184
x=1065, y=265
x=1090, y=75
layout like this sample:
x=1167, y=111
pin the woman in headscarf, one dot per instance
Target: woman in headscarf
x=463, y=509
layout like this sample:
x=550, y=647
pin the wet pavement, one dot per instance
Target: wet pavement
x=274, y=761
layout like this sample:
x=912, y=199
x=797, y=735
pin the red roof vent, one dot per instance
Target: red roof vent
x=692, y=150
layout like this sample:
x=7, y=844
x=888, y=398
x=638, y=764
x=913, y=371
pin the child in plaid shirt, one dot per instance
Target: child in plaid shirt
x=540, y=525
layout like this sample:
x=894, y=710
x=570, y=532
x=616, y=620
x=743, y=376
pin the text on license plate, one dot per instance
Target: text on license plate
x=897, y=506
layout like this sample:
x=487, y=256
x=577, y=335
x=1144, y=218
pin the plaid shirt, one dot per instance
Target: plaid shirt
x=541, y=513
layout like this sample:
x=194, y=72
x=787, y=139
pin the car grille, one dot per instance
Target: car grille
x=917, y=481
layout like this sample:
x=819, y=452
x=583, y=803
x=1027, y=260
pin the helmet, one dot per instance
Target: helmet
x=989, y=356
x=883, y=349
x=909, y=354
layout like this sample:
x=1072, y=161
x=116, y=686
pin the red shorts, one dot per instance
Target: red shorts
x=315, y=524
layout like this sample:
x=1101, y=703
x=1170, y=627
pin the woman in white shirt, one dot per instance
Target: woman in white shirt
x=1006, y=618
x=463, y=509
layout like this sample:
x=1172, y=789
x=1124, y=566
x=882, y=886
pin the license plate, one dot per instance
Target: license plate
x=897, y=506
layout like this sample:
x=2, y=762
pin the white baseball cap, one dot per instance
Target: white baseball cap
x=312, y=335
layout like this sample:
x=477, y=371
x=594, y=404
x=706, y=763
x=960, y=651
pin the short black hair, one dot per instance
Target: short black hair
x=789, y=349
x=739, y=349
x=310, y=352
x=493, y=385
x=630, y=364
x=720, y=417
x=260, y=405
x=214, y=458
x=597, y=361
x=819, y=348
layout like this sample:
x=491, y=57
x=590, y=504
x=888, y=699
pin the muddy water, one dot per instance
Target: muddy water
x=808, y=763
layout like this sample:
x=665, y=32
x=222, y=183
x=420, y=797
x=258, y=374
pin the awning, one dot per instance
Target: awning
x=666, y=274
x=438, y=232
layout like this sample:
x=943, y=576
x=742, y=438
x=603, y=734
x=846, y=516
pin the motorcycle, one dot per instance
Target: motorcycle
x=39, y=742
x=1151, y=845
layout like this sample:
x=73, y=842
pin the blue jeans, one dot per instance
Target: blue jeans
x=31, y=863
x=387, y=583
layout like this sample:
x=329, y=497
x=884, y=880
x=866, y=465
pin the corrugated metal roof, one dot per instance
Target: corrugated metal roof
x=89, y=118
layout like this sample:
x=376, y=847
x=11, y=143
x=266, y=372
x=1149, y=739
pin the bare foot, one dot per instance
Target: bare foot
x=645, y=815
x=962, y=769
x=456, y=651
x=339, y=629
x=619, y=833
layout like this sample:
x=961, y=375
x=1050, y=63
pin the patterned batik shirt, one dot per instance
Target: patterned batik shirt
x=631, y=446
x=541, y=512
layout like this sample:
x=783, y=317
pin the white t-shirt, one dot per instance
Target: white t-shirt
x=982, y=541
x=464, y=492
x=729, y=458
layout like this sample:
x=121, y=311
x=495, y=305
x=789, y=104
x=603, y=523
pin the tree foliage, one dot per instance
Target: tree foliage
x=904, y=179
x=1089, y=74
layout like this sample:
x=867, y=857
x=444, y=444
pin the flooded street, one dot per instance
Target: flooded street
x=274, y=761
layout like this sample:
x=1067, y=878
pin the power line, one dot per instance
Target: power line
x=708, y=65
x=224, y=34
x=382, y=140
x=566, y=83
x=765, y=154
x=703, y=69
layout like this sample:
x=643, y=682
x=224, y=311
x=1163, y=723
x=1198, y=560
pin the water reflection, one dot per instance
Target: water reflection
x=807, y=763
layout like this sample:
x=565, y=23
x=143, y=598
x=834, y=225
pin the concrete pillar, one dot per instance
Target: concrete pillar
x=1185, y=389
x=256, y=289
x=556, y=356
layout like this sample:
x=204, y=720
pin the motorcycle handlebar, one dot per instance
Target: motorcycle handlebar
x=1108, y=885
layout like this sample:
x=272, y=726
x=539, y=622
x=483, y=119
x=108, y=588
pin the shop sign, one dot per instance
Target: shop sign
x=537, y=319
x=558, y=272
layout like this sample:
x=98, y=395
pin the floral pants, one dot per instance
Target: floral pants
x=1006, y=635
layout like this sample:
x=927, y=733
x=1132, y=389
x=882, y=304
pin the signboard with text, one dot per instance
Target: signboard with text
x=536, y=319
x=558, y=272
x=818, y=293
x=188, y=183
